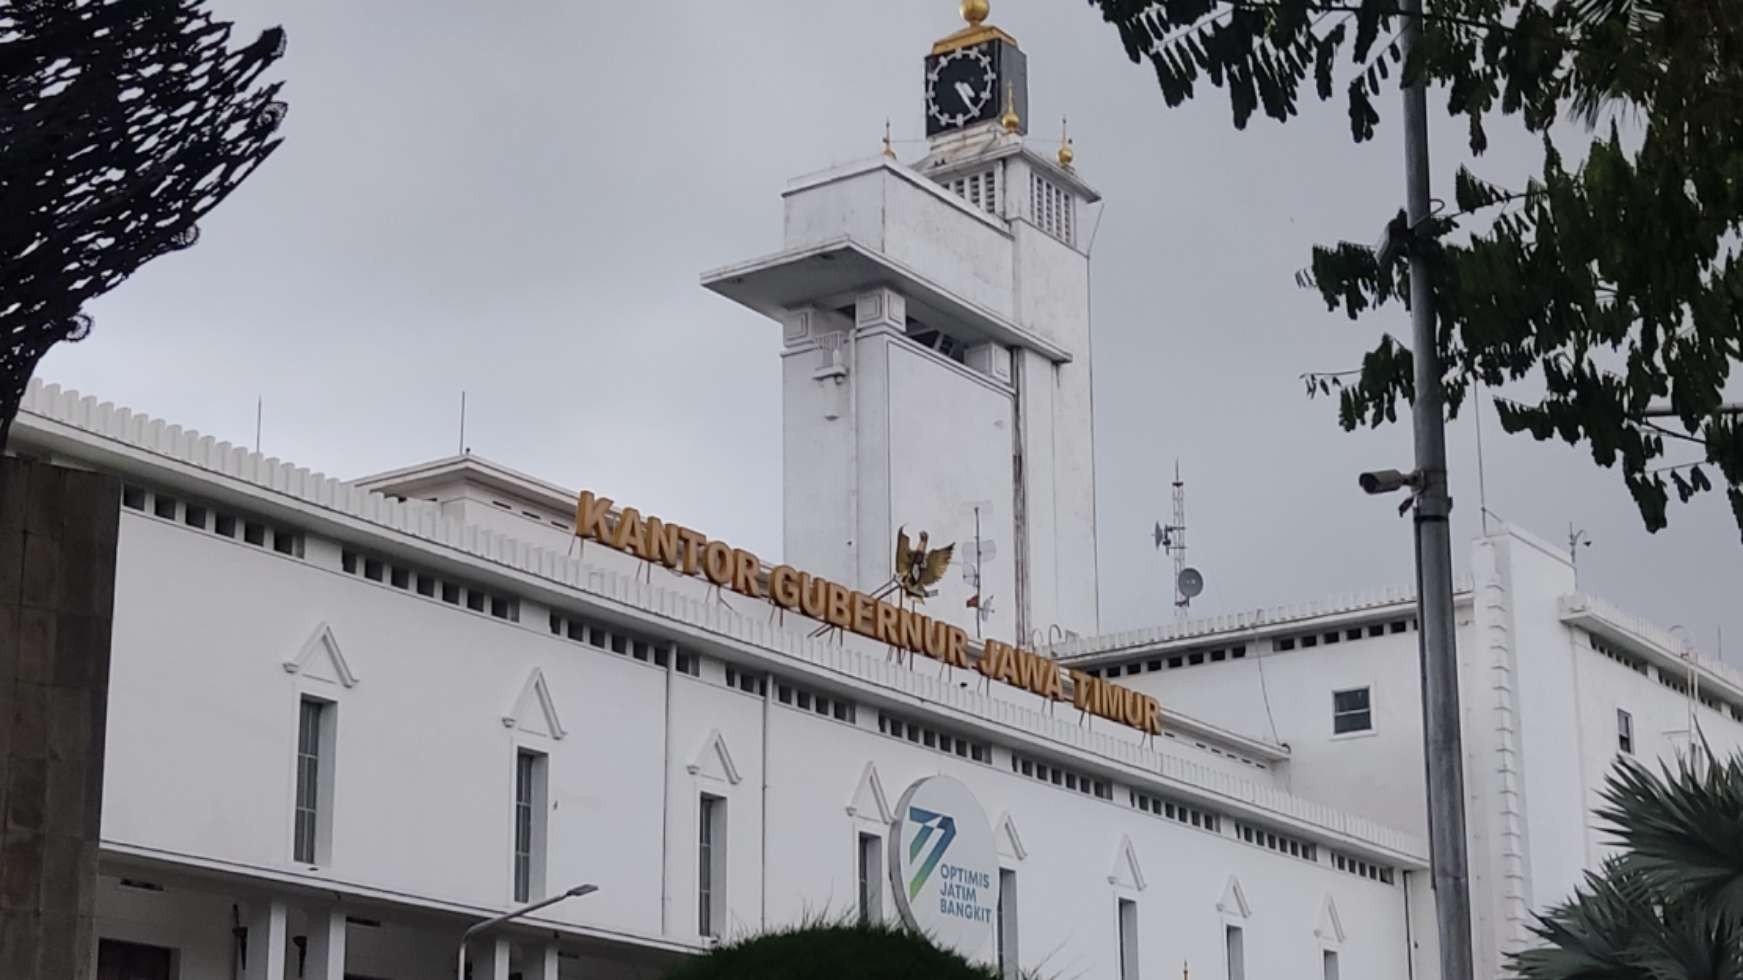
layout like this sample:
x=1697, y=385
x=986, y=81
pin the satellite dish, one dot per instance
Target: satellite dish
x=1191, y=583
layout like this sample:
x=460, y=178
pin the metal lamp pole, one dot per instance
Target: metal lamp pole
x=466, y=937
x=1442, y=753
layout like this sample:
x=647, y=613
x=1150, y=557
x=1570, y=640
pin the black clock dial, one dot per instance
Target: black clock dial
x=962, y=87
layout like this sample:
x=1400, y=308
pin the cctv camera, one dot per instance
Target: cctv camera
x=1394, y=241
x=1386, y=481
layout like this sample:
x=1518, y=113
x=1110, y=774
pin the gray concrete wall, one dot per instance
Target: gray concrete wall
x=57, y=588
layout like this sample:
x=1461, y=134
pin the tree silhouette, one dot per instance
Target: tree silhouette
x=1670, y=906
x=818, y=950
x=1604, y=300
x=122, y=123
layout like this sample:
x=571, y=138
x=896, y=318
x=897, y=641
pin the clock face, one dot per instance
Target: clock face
x=960, y=87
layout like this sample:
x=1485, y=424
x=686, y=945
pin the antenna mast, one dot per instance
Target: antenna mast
x=1188, y=582
x=1177, y=544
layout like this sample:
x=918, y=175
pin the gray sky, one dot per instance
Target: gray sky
x=516, y=199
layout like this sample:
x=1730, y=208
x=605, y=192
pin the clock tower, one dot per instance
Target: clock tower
x=936, y=356
x=973, y=77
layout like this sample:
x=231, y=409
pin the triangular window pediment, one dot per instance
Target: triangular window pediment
x=321, y=660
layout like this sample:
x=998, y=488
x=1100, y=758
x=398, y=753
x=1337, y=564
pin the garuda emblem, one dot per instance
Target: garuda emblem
x=917, y=568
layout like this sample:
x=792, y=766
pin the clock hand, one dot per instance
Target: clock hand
x=966, y=92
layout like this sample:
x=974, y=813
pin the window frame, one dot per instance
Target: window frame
x=1624, y=731
x=1126, y=922
x=313, y=764
x=1366, y=710
x=1005, y=932
x=869, y=856
x=711, y=865
x=1234, y=951
x=528, y=848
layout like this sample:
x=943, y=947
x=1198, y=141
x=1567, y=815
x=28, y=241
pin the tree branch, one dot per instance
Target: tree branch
x=1697, y=440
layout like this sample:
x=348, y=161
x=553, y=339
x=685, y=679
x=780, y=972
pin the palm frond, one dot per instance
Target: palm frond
x=1594, y=936
x=1683, y=829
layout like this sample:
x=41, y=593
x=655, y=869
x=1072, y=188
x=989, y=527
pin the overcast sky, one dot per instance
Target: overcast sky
x=516, y=200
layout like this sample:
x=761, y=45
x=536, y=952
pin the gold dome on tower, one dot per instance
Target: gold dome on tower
x=977, y=31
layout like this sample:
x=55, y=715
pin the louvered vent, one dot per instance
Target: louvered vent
x=980, y=189
x=1054, y=210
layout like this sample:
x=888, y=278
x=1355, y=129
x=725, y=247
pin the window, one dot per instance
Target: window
x=1625, y=731
x=748, y=683
x=1169, y=810
x=314, y=780
x=711, y=866
x=1351, y=712
x=871, y=858
x=896, y=727
x=1101, y=789
x=1294, y=847
x=287, y=543
x=1237, y=954
x=1128, y=939
x=1009, y=965
x=529, y=825
x=1362, y=869
x=1331, y=965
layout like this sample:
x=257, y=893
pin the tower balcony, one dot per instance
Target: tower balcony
x=880, y=225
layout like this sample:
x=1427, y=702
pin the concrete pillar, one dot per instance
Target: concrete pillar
x=267, y=935
x=539, y=962
x=326, y=956
x=57, y=590
x=490, y=959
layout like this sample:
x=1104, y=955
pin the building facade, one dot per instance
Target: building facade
x=349, y=719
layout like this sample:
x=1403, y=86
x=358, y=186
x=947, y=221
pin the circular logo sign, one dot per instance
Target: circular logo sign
x=944, y=866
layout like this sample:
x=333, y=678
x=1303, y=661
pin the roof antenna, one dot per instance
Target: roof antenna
x=259, y=413
x=462, y=422
x=1188, y=582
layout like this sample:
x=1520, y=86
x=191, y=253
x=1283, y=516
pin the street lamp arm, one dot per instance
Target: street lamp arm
x=487, y=924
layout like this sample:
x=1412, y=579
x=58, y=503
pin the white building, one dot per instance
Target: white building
x=349, y=719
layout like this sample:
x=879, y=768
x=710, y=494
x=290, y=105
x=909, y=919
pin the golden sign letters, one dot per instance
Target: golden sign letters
x=683, y=550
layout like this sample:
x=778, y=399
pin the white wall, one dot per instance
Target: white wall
x=1287, y=695
x=909, y=219
x=1053, y=287
x=1067, y=904
x=1661, y=721
x=817, y=457
x=949, y=446
x=202, y=725
x=202, y=734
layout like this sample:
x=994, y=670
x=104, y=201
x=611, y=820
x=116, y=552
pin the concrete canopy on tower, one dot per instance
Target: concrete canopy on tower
x=834, y=272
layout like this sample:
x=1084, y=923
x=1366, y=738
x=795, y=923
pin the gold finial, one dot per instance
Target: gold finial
x=889, y=148
x=1066, y=153
x=1010, y=120
x=975, y=11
